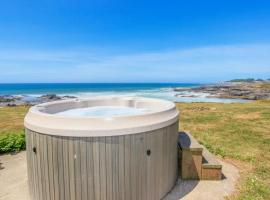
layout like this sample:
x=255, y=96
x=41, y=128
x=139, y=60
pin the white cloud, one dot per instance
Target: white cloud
x=210, y=63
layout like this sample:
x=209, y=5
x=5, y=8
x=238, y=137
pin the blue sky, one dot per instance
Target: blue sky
x=133, y=41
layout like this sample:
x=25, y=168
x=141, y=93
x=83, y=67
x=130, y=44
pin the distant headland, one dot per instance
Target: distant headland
x=248, y=89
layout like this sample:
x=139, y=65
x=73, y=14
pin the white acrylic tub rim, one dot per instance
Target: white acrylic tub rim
x=41, y=118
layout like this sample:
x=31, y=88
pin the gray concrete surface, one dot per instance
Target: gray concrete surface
x=13, y=182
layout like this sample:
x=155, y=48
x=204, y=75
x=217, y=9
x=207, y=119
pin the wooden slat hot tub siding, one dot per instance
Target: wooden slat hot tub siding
x=99, y=168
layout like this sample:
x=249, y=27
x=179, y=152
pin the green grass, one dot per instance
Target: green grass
x=12, y=136
x=12, y=142
x=237, y=132
x=11, y=119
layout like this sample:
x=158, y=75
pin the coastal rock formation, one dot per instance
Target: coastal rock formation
x=257, y=90
x=53, y=97
x=49, y=97
x=9, y=100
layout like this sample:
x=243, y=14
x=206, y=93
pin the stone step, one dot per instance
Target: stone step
x=211, y=167
x=196, y=161
x=188, y=142
x=191, y=160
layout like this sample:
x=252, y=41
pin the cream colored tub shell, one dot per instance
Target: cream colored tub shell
x=126, y=157
x=42, y=118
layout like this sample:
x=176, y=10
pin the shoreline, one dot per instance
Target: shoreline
x=256, y=90
x=187, y=97
x=227, y=92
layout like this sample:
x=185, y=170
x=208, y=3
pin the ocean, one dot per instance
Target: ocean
x=154, y=90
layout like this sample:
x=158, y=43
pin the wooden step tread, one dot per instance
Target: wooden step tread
x=209, y=160
x=188, y=142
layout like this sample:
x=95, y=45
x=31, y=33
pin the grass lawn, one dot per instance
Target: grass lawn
x=240, y=133
x=11, y=119
x=11, y=128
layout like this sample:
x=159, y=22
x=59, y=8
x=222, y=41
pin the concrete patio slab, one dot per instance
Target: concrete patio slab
x=13, y=182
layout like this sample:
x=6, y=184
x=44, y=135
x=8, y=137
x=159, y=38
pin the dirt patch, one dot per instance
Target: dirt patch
x=203, y=127
x=248, y=116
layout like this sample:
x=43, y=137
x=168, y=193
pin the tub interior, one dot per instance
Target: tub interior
x=108, y=107
x=101, y=116
x=102, y=111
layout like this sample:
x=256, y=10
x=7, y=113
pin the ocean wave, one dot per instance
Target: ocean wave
x=161, y=93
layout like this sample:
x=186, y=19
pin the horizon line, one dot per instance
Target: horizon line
x=104, y=82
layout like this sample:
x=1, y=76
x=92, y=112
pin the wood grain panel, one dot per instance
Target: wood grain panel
x=102, y=168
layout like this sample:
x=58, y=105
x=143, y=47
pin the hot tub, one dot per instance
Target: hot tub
x=102, y=148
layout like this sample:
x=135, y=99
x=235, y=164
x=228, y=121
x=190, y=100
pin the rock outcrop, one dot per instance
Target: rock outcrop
x=9, y=100
x=257, y=90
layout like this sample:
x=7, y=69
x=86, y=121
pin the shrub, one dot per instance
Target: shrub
x=11, y=142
